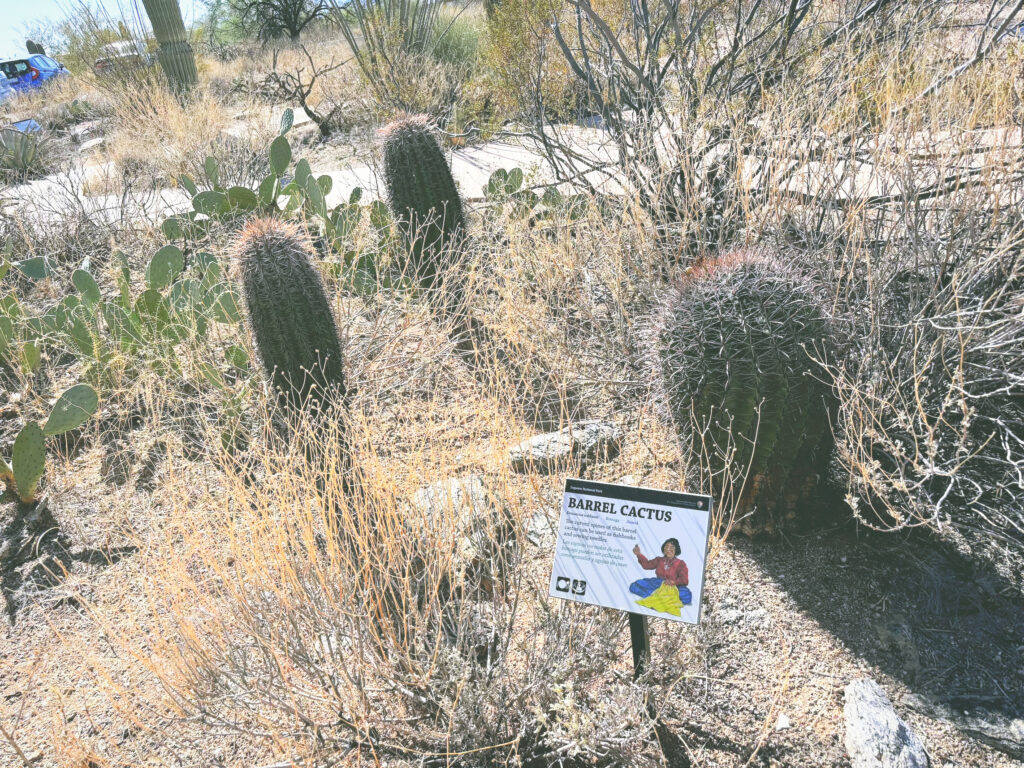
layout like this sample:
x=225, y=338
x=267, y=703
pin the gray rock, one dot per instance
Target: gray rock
x=730, y=615
x=756, y=617
x=997, y=729
x=478, y=518
x=541, y=531
x=91, y=144
x=581, y=443
x=876, y=737
x=84, y=130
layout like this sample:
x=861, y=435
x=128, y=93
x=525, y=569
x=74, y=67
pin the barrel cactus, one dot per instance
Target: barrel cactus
x=290, y=317
x=422, y=196
x=737, y=347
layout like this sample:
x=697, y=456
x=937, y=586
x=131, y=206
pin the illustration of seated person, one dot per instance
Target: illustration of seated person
x=668, y=592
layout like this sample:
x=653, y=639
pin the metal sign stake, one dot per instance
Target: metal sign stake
x=641, y=642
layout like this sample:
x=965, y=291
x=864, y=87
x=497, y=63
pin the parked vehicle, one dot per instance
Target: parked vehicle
x=121, y=56
x=6, y=91
x=31, y=72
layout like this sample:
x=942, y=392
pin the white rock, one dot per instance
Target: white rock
x=578, y=443
x=876, y=737
x=91, y=144
x=468, y=510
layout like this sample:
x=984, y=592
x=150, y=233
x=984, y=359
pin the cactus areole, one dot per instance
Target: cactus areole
x=290, y=316
x=423, y=197
x=737, y=347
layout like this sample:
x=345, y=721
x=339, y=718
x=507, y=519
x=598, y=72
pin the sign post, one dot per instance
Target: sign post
x=638, y=550
x=641, y=642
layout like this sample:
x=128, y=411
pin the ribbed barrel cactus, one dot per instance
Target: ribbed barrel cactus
x=175, y=51
x=290, y=316
x=422, y=196
x=737, y=346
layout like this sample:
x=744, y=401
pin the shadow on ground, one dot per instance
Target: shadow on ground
x=36, y=555
x=945, y=626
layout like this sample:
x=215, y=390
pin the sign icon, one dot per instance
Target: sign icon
x=562, y=584
x=579, y=587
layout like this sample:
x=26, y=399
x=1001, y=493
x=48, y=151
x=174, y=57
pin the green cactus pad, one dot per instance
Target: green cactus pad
x=165, y=265
x=31, y=357
x=280, y=155
x=86, y=285
x=6, y=334
x=72, y=409
x=28, y=460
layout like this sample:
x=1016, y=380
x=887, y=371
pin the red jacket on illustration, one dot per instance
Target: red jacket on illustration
x=670, y=571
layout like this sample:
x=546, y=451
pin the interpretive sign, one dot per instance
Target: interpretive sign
x=634, y=549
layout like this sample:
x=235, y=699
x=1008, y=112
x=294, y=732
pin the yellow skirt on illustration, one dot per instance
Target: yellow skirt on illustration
x=664, y=599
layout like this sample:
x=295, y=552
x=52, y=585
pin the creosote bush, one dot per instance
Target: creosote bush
x=737, y=347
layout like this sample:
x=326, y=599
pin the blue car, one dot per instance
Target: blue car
x=31, y=72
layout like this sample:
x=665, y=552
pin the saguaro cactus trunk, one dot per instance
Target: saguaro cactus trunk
x=175, y=52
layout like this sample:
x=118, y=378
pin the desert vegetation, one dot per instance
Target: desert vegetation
x=280, y=293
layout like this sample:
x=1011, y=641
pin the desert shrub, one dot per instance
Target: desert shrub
x=528, y=76
x=711, y=132
x=63, y=235
x=456, y=39
x=240, y=161
x=154, y=130
x=931, y=416
x=301, y=629
x=737, y=344
x=415, y=55
x=270, y=19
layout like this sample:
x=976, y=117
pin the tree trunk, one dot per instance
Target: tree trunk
x=175, y=52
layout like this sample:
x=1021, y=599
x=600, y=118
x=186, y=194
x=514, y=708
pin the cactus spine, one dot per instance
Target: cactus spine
x=734, y=349
x=423, y=197
x=290, y=316
x=175, y=52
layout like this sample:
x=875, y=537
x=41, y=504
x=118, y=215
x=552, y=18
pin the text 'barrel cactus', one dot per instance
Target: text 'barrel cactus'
x=422, y=196
x=735, y=348
x=290, y=316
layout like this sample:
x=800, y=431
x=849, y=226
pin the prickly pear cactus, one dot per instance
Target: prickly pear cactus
x=735, y=346
x=71, y=410
x=28, y=460
x=290, y=316
x=423, y=196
